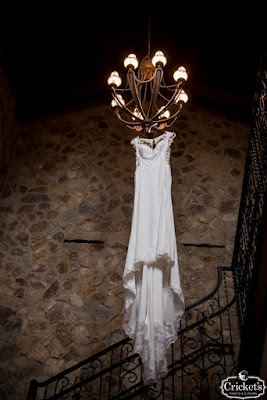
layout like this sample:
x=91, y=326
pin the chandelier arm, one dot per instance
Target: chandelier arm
x=115, y=97
x=139, y=93
x=145, y=94
x=126, y=122
x=169, y=87
x=161, y=121
x=128, y=126
x=145, y=81
x=150, y=101
x=165, y=98
x=155, y=91
x=133, y=87
x=169, y=103
x=123, y=90
x=163, y=81
x=129, y=102
x=172, y=122
x=141, y=98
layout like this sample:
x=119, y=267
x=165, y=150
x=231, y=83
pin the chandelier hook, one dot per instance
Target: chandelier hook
x=151, y=127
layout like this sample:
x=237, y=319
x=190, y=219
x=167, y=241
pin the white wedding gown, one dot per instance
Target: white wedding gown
x=154, y=302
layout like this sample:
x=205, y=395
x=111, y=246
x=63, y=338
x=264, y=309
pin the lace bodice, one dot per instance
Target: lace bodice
x=151, y=150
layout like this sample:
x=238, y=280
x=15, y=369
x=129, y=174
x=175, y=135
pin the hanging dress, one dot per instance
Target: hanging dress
x=154, y=301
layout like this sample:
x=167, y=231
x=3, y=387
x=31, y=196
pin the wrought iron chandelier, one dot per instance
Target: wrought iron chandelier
x=147, y=102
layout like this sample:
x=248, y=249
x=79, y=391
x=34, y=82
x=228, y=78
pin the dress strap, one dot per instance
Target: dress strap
x=171, y=136
x=134, y=142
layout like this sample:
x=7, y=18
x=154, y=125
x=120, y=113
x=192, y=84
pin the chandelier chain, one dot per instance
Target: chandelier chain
x=149, y=30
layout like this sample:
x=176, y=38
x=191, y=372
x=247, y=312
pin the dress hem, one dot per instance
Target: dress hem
x=167, y=343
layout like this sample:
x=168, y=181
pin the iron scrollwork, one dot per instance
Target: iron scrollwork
x=198, y=360
x=253, y=202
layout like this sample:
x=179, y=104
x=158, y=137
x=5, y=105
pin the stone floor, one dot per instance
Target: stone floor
x=72, y=178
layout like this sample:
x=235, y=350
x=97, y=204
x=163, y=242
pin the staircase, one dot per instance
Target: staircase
x=211, y=330
x=205, y=351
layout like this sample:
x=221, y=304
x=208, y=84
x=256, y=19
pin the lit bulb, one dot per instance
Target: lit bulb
x=180, y=73
x=116, y=103
x=131, y=61
x=137, y=113
x=181, y=97
x=166, y=113
x=159, y=60
x=114, y=79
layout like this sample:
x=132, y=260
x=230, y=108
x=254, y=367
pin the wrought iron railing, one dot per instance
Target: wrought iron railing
x=249, y=233
x=204, y=354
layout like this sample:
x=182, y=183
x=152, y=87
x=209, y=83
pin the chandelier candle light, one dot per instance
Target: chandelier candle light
x=145, y=99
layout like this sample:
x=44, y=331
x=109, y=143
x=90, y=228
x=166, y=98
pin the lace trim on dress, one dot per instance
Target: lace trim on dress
x=153, y=350
x=134, y=143
x=171, y=138
x=162, y=341
x=144, y=348
x=150, y=142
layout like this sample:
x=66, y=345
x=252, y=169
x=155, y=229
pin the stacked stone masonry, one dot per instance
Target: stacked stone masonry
x=73, y=178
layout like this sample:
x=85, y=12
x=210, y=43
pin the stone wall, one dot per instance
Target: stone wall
x=73, y=179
